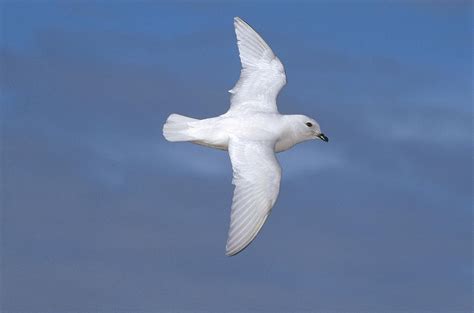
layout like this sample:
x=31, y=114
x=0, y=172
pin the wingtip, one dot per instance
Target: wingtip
x=228, y=253
x=236, y=250
x=238, y=20
x=231, y=253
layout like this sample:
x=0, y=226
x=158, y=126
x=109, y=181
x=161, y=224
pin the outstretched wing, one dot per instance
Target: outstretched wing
x=262, y=75
x=257, y=177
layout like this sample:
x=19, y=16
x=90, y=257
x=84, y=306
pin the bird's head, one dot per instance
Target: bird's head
x=307, y=128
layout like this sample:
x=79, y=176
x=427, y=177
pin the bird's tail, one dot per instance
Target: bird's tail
x=177, y=128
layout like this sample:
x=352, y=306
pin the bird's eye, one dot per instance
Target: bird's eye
x=309, y=124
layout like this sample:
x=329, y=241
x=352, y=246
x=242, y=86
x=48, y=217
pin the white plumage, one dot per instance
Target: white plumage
x=257, y=177
x=252, y=131
x=262, y=75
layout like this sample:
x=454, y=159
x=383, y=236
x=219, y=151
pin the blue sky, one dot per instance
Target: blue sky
x=101, y=214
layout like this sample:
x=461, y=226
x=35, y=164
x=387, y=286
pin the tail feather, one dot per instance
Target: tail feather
x=177, y=128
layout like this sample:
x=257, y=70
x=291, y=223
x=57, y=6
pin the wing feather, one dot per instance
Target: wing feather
x=257, y=176
x=262, y=75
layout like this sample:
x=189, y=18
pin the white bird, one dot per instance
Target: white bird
x=252, y=130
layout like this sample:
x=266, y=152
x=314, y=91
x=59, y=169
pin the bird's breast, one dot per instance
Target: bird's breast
x=284, y=144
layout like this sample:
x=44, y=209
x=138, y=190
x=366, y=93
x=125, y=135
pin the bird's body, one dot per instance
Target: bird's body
x=252, y=130
x=216, y=132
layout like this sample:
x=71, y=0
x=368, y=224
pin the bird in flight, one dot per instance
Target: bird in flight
x=252, y=130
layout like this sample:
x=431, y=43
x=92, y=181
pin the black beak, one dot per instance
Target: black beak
x=323, y=137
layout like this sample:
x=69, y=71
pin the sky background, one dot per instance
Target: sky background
x=100, y=214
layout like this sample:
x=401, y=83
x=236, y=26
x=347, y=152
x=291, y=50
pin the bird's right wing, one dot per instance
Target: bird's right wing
x=262, y=75
x=257, y=177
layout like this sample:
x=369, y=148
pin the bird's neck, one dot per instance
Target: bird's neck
x=289, y=136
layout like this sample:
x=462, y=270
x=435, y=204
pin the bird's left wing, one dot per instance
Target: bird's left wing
x=257, y=177
x=262, y=75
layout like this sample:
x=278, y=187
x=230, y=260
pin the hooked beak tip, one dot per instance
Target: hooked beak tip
x=323, y=137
